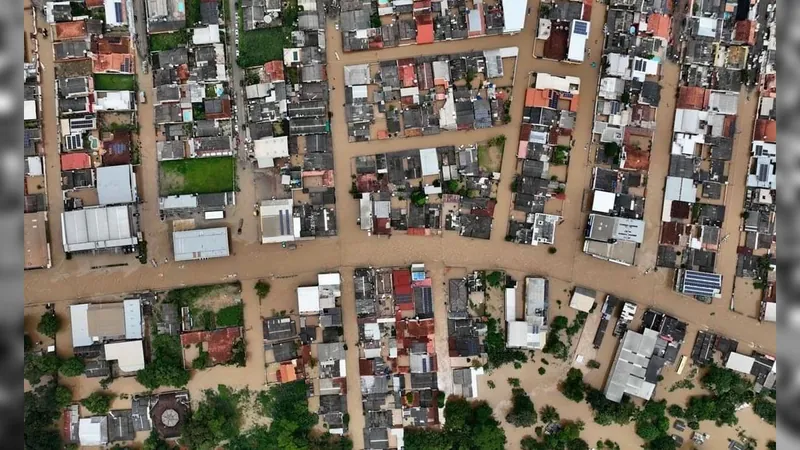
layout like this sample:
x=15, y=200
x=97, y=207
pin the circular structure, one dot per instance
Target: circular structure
x=170, y=417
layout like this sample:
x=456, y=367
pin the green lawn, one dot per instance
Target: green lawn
x=257, y=47
x=197, y=176
x=168, y=41
x=114, y=82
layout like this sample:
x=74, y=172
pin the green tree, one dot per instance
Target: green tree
x=166, y=369
x=98, y=403
x=426, y=439
x=676, y=411
x=155, y=442
x=651, y=422
x=523, y=412
x=573, y=387
x=48, y=324
x=607, y=412
x=72, y=367
x=418, y=197
x=27, y=342
x=494, y=279
x=216, y=419
x=38, y=365
x=549, y=414
x=577, y=444
x=62, y=396
x=765, y=409
x=772, y=445
x=663, y=442
x=262, y=289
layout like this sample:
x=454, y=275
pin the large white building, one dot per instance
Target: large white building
x=98, y=228
x=205, y=243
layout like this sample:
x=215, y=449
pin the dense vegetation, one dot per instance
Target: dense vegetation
x=262, y=289
x=523, y=412
x=48, y=324
x=72, y=367
x=216, y=419
x=291, y=428
x=568, y=437
x=651, y=421
x=166, y=369
x=42, y=408
x=468, y=426
x=727, y=390
x=496, y=350
x=573, y=386
x=98, y=403
x=38, y=365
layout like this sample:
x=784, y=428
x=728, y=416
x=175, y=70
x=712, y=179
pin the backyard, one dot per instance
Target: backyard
x=114, y=82
x=212, y=306
x=168, y=41
x=490, y=155
x=197, y=176
x=266, y=44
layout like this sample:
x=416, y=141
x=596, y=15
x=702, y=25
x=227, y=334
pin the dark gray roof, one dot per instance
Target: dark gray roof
x=279, y=328
x=174, y=57
x=70, y=49
x=209, y=12
x=260, y=130
x=74, y=85
x=120, y=425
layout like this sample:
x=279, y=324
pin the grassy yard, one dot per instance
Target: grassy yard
x=114, y=82
x=168, y=41
x=257, y=47
x=197, y=176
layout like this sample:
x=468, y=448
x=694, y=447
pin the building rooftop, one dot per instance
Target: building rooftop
x=200, y=244
x=629, y=370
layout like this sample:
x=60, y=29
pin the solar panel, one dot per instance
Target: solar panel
x=82, y=123
x=118, y=11
x=581, y=28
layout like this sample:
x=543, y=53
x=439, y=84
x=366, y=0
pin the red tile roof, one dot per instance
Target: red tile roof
x=71, y=30
x=274, y=71
x=745, y=31
x=659, y=25
x=407, y=73
x=692, y=97
x=401, y=280
x=75, y=161
x=114, y=62
x=537, y=97
x=111, y=45
x=424, y=29
x=766, y=130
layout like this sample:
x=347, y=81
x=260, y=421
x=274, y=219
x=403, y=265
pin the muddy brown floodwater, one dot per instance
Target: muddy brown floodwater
x=70, y=280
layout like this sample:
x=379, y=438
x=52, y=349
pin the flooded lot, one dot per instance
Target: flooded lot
x=70, y=280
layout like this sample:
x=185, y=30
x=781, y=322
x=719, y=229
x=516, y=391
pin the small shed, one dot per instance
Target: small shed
x=583, y=299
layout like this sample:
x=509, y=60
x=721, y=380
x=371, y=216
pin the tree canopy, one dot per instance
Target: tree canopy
x=549, y=414
x=496, y=350
x=42, y=408
x=48, y=324
x=262, y=289
x=568, y=437
x=155, y=442
x=98, y=403
x=607, y=412
x=166, y=369
x=573, y=387
x=38, y=365
x=663, y=442
x=523, y=412
x=651, y=421
x=765, y=409
x=727, y=389
x=217, y=418
x=72, y=367
x=468, y=426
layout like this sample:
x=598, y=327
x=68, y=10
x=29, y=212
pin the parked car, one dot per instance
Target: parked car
x=679, y=425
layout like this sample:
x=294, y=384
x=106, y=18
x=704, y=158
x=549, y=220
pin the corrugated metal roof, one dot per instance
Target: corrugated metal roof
x=200, y=244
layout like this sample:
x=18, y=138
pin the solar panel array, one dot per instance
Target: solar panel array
x=701, y=283
x=125, y=66
x=81, y=124
x=581, y=28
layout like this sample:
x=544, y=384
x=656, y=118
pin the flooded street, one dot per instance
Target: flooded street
x=71, y=280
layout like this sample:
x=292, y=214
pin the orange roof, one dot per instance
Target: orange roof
x=74, y=161
x=745, y=31
x=116, y=62
x=693, y=97
x=71, y=30
x=766, y=130
x=287, y=373
x=659, y=25
x=407, y=75
x=274, y=70
x=111, y=45
x=573, y=104
x=94, y=3
x=424, y=29
x=537, y=97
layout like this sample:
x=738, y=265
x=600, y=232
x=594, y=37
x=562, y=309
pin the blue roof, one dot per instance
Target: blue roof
x=701, y=283
x=581, y=28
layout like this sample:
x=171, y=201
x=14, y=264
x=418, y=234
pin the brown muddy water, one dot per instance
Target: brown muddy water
x=72, y=280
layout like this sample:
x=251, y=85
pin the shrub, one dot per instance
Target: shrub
x=593, y=364
x=262, y=289
x=552, y=250
x=573, y=387
x=98, y=403
x=48, y=324
x=542, y=370
x=72, y=367
x=523, y=412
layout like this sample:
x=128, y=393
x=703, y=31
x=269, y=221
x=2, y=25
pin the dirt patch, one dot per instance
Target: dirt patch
x=490, y=158
x=170, y=182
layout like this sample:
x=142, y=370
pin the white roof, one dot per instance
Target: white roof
x=277, y=222
x=582, y=299
x=630, y=366
x=618, y=64
x=178, y=201
x=558, y=83
x=356, y=74
x=30, y=110
x=603, y=202
x=129, y=355
x=517, y=334
x=79, y=325
x=206, y=35
x=113, y=100
x=429, y=161
x=200, y=244
x=365, y=209
x=441, y=69
x=372, y=331
x=93, y=431
x=688, y=121
x=514, y=12
x=116, y=184
x=35, y=166
x=267, y=149
x=432, y=190
x=133, y=318
x=360, y=91
x=308, y=300
x=770, y=312
x=329, y=279
x=578, y=35
x=681, y=189
x=111, y=16
x=740, y=362
x=643, y=67
x=96, y=228
x=707, y=27
x=511, y=304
